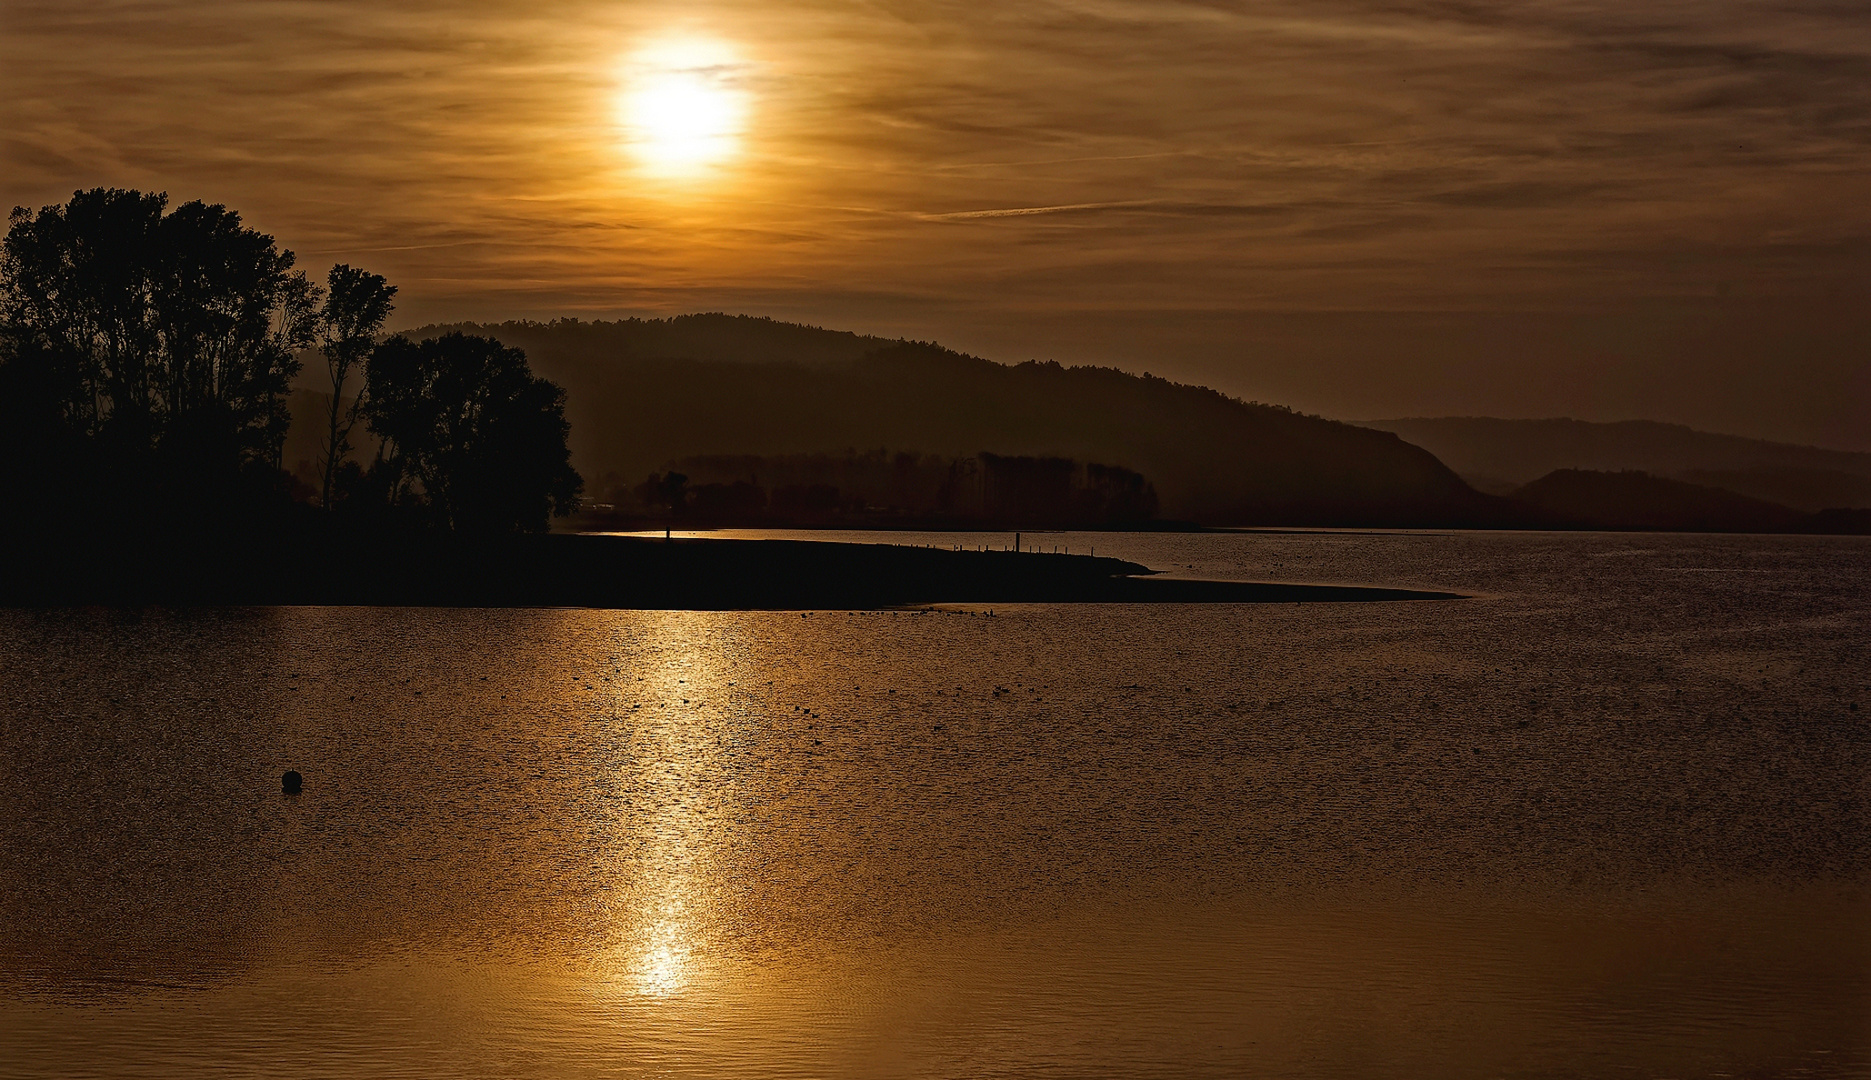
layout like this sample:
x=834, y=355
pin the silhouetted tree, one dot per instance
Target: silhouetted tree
x=356, y=305
x=1117, y=495
x=880, y=487
x=467, y=435
x=159, y=345
x=665, y=491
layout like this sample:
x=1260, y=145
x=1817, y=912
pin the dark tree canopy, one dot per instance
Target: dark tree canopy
x=467, y=435
x=159, y=346
x=357, y=303
x=145, y=362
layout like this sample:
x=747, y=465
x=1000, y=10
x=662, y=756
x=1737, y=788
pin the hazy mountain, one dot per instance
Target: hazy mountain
x=1802, y=489
x=1500, y=455
x=1638, y=500
x=643, y=394
x=712, y=337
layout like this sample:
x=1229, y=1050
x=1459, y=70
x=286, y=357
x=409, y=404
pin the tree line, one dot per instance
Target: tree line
x=146, y=356
x=882, y=489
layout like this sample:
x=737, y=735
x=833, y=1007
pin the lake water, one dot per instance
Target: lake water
x=1610, y=817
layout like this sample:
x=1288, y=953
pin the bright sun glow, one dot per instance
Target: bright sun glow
x=683, y=107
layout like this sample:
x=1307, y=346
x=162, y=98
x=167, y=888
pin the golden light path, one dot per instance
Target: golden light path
x=663, y=720
x=683, y=106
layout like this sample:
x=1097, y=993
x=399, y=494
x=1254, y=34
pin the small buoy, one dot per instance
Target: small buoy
x=291, y=782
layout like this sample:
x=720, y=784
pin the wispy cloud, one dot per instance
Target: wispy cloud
x=1274, y=155
x=1028, y=211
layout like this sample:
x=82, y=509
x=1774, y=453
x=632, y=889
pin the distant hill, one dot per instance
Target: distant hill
x=845, y=425
x=708, y=337
x=1637, y=500
x=1500, y=455
x=643, y=394
x=1802, y=489
x=711, y=337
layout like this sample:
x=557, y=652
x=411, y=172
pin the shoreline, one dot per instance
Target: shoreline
x=334, y=568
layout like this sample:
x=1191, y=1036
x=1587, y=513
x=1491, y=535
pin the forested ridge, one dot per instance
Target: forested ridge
x=643, y=395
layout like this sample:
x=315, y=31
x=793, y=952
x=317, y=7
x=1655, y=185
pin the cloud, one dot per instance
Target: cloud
x=1267, y=155
x=1028, y=211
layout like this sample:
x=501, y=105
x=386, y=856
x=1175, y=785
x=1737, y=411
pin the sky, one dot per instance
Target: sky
x=1358, y=208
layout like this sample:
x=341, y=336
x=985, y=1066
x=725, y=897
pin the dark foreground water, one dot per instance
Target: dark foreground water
x=1612, y=817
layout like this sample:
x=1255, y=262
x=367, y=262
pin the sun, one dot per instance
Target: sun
x=683, y=106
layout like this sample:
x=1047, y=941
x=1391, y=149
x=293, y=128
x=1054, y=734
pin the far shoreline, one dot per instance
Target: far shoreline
x=313, y=568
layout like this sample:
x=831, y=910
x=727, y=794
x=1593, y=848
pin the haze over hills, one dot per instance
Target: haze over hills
x=710, y=337
x=643, y=394
x=772, y=421
x=1502, y=455
x=704, y=337
x=1582, y=498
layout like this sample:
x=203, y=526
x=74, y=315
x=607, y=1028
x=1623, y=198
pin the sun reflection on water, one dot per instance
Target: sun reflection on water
x=663, y=968
x=661, y=717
